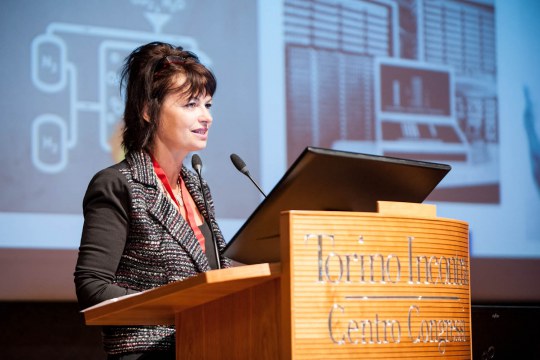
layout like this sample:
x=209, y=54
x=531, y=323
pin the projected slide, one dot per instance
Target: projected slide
x=66, y=107
x=411, y=80
x=451, y=81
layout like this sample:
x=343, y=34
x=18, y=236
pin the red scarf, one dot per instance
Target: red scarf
x=184, y=193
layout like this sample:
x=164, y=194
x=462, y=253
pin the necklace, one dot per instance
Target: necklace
x=178, y=194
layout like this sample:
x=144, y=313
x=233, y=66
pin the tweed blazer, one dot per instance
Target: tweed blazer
x=135, y=239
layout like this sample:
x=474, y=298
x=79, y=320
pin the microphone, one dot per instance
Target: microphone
x=196, y=164
x=241, y=166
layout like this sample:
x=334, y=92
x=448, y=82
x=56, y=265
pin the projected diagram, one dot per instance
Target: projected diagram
x=411, y=79
x=55, y=72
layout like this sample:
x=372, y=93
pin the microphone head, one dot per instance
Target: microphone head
x=196, y=163
x=239, y=164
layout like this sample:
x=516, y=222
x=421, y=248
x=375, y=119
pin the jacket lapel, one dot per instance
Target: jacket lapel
x=162, y=209
x=195, y=189
x=192, y=184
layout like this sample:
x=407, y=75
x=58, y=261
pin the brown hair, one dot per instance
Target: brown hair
x=149, y=74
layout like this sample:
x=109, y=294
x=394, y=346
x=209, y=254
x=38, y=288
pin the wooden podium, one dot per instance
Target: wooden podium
x=390, y=284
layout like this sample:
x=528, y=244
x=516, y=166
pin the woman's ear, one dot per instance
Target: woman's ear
x=149, y=108
x=145, y=113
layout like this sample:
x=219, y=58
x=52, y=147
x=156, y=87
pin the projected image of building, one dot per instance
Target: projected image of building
x=413, y=79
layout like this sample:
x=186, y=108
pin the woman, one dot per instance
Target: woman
x=145, y=222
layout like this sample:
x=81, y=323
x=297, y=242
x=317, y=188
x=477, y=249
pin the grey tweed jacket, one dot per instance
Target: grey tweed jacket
x=135, y=239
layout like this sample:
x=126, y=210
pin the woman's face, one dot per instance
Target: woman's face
x=184, y=122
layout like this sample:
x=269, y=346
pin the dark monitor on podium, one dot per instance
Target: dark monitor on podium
x=331, y=180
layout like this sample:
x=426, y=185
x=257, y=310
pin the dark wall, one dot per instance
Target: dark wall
x=55, y=330
x=505, y=332
x=47, y=330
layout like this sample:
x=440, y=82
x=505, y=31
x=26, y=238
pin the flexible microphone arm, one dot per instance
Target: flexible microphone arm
x=196, y=164
x=241, y=166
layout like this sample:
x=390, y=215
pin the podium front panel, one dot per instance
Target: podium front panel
x=375, y=286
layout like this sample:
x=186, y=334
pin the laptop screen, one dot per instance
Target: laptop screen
x=331, y=180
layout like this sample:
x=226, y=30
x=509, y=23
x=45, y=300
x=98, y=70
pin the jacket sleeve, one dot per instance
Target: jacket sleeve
x=106, y=211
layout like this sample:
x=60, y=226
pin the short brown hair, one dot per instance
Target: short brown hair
x=148, y=75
